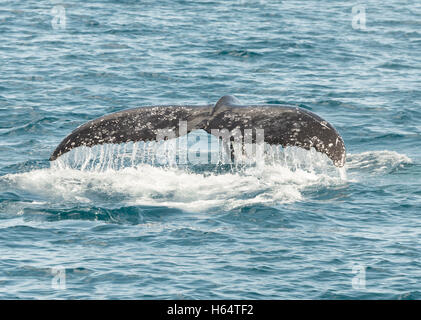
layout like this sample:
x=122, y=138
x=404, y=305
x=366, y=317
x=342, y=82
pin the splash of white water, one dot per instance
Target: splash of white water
x=150, y=174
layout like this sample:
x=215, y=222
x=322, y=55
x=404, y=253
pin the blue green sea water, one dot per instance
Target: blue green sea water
x=156, y=232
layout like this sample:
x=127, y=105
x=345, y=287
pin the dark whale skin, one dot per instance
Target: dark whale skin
x=283, y=125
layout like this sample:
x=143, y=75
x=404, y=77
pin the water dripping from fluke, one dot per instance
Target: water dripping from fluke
x=193, y=156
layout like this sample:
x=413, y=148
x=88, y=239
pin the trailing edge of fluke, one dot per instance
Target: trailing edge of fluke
x=282, y=125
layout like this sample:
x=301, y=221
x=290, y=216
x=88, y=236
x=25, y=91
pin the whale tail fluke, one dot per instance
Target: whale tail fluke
x=280, y=124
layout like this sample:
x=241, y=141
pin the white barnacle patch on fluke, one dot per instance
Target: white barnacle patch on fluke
x=324, y=125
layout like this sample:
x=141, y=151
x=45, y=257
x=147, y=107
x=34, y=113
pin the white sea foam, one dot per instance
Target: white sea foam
x=377, y=161
x=147, y=185
x=281, y=178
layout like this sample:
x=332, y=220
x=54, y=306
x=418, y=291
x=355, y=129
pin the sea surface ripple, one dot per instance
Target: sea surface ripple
x=156, y=232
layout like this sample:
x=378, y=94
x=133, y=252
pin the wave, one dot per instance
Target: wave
x=240, y=53
x=377, y=162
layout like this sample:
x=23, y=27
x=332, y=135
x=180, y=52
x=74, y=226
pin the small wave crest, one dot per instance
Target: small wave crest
x=378, y=161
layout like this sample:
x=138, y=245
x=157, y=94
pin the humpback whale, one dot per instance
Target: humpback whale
x=282, y=124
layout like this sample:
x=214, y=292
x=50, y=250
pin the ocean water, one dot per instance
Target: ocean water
x=296, y=229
